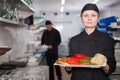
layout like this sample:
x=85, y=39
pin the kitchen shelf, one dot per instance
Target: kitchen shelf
x=24, y=11
x=4, y=49
x=8, y=21
x=3, y=20
x=117, y=38
x=28, y=6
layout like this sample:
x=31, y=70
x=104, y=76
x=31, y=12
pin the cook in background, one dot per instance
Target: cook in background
x=90, y=42
x=51, y=37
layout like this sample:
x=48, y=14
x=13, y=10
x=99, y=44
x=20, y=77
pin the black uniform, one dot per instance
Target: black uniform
x=53, y=38
x=89, y=45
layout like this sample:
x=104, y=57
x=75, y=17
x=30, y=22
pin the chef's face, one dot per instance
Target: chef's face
x=49, y=27
x=90, y=18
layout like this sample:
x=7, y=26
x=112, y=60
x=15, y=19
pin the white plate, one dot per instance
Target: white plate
x=87, y=66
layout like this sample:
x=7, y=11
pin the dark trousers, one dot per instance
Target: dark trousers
x=50, y=62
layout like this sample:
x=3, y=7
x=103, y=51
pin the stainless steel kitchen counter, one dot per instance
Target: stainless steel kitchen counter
x=27, y=73
x=31, y=72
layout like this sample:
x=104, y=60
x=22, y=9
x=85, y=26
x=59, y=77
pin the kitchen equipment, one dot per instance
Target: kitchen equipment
x=7, y=67
x=32, y=61
x=43, y=48
x=12, y=65
x=4, y=49
x=31, y=73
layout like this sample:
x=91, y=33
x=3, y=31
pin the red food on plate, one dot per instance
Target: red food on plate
x=72, y=60
x=80, y=56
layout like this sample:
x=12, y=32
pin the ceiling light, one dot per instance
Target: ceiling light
x=55, y=13
x=62, y=9
x=62, y=2
x=67, y=13
x=44, y=13
x=95, y=1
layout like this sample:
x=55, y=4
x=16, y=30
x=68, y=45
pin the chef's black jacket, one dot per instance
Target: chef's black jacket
x=89, y=45
x=51, y=37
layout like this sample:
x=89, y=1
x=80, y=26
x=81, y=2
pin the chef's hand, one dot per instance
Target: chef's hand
x=50, y=47
x=68, y=69
x=106, y=68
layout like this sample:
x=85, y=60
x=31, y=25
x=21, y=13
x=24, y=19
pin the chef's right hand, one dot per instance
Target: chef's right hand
x=50, y=47
x=68, y=70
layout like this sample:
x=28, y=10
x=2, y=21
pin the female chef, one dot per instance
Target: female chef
x=90, y=42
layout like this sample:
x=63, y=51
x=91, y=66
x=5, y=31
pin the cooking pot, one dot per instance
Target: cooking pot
x=7, y=67
x=12, y=65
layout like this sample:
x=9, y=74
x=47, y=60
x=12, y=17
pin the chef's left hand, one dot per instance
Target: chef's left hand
x=106, y=68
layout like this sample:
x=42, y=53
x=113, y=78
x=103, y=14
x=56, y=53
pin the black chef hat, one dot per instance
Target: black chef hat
x=48, y=22
x=90, y=6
